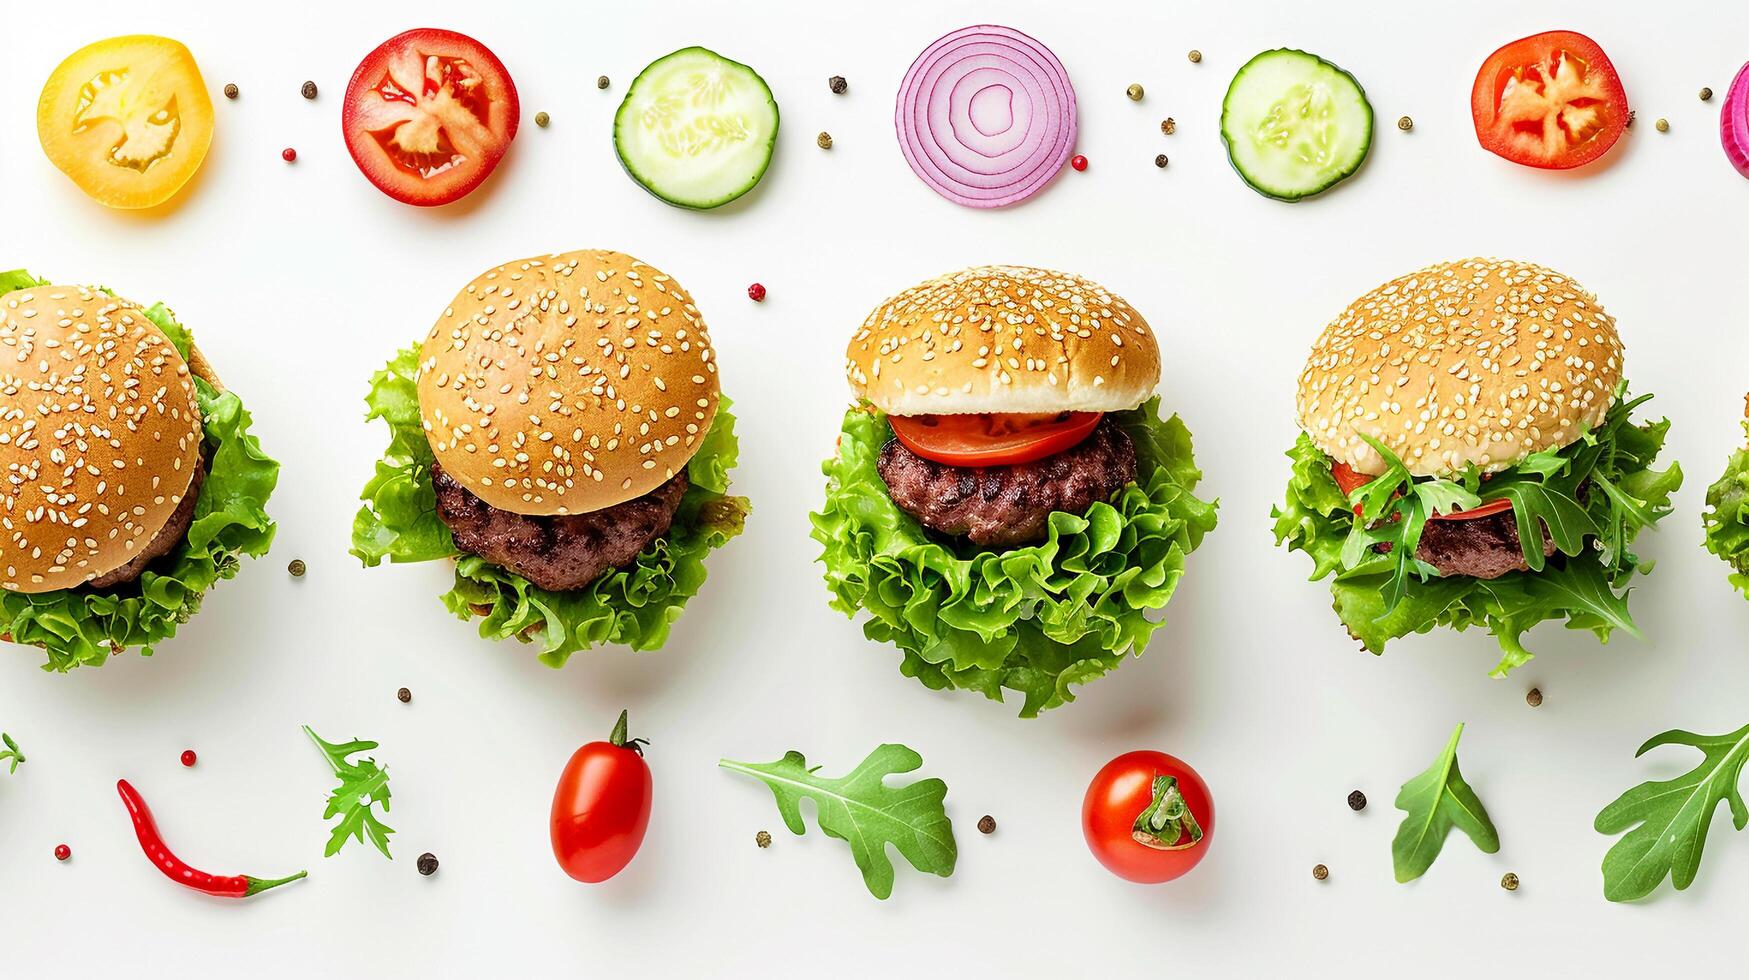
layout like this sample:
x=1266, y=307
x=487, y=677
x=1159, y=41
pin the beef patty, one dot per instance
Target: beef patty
x=168, y=537
x=561, y=552
x=1483, y=547
x=1008, y=505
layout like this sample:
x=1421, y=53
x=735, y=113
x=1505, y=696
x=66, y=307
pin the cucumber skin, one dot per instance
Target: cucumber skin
x=1365, y=153
x=770, y=147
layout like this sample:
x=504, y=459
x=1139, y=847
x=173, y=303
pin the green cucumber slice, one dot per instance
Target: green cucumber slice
x=1295, y=124
x=696, y=129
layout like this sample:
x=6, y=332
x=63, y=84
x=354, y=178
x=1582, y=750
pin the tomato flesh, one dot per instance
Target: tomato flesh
x=1119, y=794
x=1349, y=480
x=1551, y=101
x=428, y=115
x=128, y=119
x=601, y=810
x=992, y=439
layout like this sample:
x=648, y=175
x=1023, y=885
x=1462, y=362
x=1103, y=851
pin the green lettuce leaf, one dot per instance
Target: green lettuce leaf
x=1727, y=517
x=1595, y=495
x=83, y=626
x=1036, y=620
x=634, y=606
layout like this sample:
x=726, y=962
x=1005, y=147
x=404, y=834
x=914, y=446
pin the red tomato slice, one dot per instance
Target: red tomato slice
x=1551, y=100
x=428, y=115
x=1349, y=480
x=992, y=440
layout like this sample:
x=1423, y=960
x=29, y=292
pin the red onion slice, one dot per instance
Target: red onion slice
x=1734, y=122
x=986, y=116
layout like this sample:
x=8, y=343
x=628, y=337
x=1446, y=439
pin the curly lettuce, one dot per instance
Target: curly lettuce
x=1593, y=497
x=1035, y=620
x=1727, y=518
x=634, y=606
x=81, y=627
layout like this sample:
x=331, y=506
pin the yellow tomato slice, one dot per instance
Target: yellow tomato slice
x=128, y=119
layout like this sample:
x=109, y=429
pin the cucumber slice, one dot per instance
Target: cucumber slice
x=1295, y=124
x=696, y=129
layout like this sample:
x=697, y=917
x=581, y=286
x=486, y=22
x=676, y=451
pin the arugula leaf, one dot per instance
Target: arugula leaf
x=1433, y=803
x=1594, y=494
x=363, y=785
x=862, y=810
x=1667, y=820
x=11, y=754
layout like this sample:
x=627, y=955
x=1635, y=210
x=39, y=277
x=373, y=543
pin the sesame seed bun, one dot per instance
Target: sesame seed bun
x=100, y=435
x=1482, y=361
x=1003, y=338
x=567, y=383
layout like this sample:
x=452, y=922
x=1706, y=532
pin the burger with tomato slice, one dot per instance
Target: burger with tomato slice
x=1469, y=458
x=560, y=434
x=132, y=483
x=1006, y=503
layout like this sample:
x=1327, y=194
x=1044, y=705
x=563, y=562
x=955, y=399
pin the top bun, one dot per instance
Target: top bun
x=100, y=435
x=1483, y=362
x=568, y=383
x=1004, y=338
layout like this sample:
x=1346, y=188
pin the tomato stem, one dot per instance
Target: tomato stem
x=619, y=740
x=1167, y=823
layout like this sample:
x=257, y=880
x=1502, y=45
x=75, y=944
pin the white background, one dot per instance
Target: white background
x=300, y=280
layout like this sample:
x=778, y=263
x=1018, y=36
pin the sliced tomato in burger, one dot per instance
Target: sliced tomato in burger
x=1551, y=100
x=1348, y=480
x=428, y=115
x=992, y=439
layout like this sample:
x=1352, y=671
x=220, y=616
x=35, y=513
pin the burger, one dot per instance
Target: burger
x=561, y=436
x=1468, y=457
x=1006, y=502
x=1726, y=519
x=132, y=484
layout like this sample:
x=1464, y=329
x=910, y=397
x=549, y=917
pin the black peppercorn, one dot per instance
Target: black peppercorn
x=1357, y=800
x=296, y=568
x=541, y=119
x=1320, y=872
x=308, y=90
x=986, y=824
x=601, y=82
x=428, y=864
x=1509, y=882
x=837, y=84
x=1160, y=160
x=404, y=696
x=763, y=838
x=1534, y=697
x=230, y=90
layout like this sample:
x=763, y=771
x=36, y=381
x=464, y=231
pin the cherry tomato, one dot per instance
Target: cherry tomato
x=1551, y=100
x=428, y=115
x=1148, y=817
x=602, y=807
x=128, y=119
x=1349, y=480
x=992, y=440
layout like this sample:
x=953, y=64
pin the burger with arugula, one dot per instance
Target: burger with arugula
x=132, y=484
x=560, y=435
x=1469, y=458
x=1006, y=502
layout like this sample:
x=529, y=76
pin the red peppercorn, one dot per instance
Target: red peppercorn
x=188, y=758
x=288, y=154
x=1078, y=161
x=756, y=293
x=63, y=852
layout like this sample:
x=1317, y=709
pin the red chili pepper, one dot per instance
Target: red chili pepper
x=232, y=886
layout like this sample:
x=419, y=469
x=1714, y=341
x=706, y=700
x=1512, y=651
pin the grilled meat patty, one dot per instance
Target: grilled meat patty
x=561, y=552
x=168, y=537
x=1484, y=547
x=995, y=506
